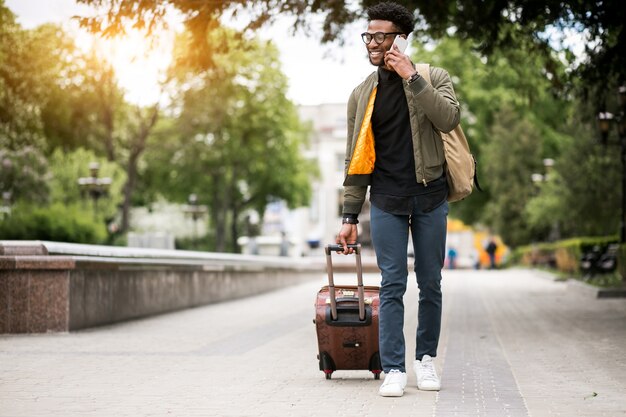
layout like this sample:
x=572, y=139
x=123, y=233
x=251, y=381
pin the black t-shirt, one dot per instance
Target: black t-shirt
x=394, y=170
x=394, y=184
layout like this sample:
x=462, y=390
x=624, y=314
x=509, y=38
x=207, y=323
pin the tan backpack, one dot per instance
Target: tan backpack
x=460, y=163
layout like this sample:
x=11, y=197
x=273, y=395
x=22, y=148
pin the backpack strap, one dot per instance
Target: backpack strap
x=424, y=71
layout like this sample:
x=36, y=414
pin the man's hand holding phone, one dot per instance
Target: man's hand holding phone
x=401, y=43
x=396, y=60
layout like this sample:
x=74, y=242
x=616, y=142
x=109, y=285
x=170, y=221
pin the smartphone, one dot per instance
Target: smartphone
x=401, y=43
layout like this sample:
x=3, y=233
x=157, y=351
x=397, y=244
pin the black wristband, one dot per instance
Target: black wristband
x=413, y=78
x=349, y=220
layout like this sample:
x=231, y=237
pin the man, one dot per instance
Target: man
x=394, y=147
x=491, y=249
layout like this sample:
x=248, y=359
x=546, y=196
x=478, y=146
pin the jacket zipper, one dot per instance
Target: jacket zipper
x=421, y=150
x=421, y=144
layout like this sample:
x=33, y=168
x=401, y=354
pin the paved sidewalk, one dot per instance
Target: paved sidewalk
x=514, y=343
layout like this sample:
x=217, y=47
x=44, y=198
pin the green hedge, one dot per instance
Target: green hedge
x=621, y=262
x=56, y=222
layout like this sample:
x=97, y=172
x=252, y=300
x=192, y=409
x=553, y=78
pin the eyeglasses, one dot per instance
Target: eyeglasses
x=379, y=37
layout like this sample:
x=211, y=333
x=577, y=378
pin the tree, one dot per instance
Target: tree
x=24, y=174
x=88, y=109
x=23, y=76
x=237, y=139
x=511, y=156
x=487, y=87
x=581, y=196
x=67, y=167
x=52, y=96
x=491, y=24
x=22, y=80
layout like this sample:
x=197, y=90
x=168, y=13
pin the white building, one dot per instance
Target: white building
x=327, y=146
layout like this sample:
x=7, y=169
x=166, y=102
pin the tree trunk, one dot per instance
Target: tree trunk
x=234, y=234
x=107, y=89
x=137, y=148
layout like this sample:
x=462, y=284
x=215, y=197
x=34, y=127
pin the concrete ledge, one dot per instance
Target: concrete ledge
x=595, y=292
x=52, y=286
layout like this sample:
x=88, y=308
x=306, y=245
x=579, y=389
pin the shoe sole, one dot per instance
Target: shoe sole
x=391, y=394
x=428, y=388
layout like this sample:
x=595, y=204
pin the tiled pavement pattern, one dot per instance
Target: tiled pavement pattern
x=478, y=378
x=514, y=343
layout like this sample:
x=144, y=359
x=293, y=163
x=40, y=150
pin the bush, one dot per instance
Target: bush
x=621, y=262
x=56, y=222
x=202, y=243
x=563, y=255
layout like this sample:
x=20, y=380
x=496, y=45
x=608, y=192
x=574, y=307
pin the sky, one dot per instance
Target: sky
x=317, y=73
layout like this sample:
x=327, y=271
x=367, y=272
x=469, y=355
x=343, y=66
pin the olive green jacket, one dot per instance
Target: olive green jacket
x=432, y=108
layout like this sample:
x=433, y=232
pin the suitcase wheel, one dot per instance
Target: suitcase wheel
x=326, y=364
x=375, y=365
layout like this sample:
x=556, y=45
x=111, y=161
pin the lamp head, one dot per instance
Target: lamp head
x=622, y=96
x=604, y=124
x=537, y=178
x=94, y=167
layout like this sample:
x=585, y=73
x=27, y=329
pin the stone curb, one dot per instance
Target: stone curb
x=596, y=292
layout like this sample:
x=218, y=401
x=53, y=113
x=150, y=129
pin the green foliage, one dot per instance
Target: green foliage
x=201, y=243
x=45, y=103
x=83, y=104
x=563, y=254
x=510, y=157
x=621, y=263
x=51, y=94
x=513, y=121
x=493, y=26
x=68, y=167
x=582, y=194
x=24, y=174
x=57, y=222
x=21, y=82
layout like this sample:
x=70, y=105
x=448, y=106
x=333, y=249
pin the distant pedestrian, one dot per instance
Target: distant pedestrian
x=491, y=249
x=452, y=258
x=284, y=244
x=475, y=256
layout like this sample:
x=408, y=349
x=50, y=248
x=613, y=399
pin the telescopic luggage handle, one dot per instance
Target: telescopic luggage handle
x=331, y=280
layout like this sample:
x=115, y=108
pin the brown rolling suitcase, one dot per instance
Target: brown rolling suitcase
x=346, y=319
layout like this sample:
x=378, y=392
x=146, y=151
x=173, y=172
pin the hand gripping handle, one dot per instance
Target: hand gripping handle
x=331, y=281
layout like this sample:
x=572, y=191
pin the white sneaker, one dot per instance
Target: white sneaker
x=427, y=379
x=394, y=384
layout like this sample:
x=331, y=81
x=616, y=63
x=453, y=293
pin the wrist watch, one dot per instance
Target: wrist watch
x=413, y=77
x=349, y=220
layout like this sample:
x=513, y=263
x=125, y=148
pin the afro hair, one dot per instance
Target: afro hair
x=395, y=13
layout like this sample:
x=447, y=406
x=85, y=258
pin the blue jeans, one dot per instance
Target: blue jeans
x=390, y=236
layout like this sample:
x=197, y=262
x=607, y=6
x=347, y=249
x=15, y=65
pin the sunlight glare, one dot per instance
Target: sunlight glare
x=140, y=63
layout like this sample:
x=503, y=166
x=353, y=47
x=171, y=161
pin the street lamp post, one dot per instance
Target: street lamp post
x=196, y=211
x=605, y=119
x=5, y=209
x=94, y=186
x=538, y=179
